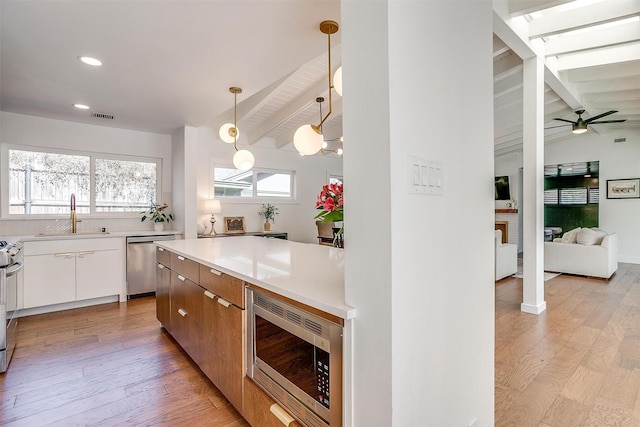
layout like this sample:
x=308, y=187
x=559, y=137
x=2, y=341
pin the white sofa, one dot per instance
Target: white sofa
x=506, y=257
x=583, y=251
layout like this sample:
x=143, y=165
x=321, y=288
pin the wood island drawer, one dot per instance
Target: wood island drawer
x=257, y=408
x=185, y=267
x=186, y=295
x=163, y=256
x=223, y=285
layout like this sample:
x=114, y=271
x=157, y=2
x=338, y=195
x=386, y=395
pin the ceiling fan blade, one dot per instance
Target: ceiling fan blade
x=565, y=120
x=608, y=121
x=590, y=120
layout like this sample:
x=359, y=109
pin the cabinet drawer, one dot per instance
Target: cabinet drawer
x=163, y=256
x=257, y=408
x=185, y=267
x=186, y=295
x=223, y=285
x=186, y=331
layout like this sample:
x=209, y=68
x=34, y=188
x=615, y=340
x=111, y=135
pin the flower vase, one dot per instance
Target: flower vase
x=267, y=226
x=158, y=226
x=338, y=239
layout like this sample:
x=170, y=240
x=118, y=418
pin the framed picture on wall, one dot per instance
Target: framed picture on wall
x=623, y=188
x=234, y=225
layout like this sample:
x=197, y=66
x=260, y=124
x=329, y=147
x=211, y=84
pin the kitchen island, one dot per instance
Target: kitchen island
x=213, y=293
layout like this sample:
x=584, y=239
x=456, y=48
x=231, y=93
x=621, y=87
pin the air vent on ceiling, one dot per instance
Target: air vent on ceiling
x=619, y=140
x=102, y=116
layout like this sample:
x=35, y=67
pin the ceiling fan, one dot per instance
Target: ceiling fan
x=580, y=125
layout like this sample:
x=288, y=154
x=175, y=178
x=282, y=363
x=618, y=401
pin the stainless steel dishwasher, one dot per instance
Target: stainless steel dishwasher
x=141, y=264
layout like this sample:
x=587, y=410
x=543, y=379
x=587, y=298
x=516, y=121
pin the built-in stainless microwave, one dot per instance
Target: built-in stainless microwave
x=296, y=357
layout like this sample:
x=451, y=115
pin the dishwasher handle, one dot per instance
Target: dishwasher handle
x=149, y=239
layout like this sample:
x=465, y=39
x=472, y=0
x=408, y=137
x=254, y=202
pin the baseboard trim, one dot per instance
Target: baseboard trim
x=66, y=306
x=533, y=309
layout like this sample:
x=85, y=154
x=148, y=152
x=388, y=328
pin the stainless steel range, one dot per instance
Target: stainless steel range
x=10, y=271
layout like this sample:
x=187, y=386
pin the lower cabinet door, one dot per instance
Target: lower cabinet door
x=222, y=343
x=258, y=409
x=49, y=279
x=163, y=299
x=186, y=331
x=98, y=273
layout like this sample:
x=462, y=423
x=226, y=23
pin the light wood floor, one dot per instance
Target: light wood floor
x=577, y=364
x=108, y=365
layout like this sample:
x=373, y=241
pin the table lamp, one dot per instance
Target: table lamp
x=214, y=207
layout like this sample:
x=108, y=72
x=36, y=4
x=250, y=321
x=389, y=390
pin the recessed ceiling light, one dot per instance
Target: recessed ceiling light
x=90, y=61
x=81, y=106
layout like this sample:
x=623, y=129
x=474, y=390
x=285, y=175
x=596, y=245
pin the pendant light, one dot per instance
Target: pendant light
x=229, y=133
x=325, y=144
x=308, y=138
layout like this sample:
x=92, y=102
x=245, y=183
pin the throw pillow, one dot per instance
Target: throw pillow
x=587, y=236
x=571, y=236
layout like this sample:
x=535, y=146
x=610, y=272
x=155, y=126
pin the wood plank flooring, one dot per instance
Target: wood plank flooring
x=577, y=364
x=107, y=365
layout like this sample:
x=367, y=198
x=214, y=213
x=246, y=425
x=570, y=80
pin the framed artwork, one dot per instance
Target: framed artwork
x=623, y=188
x=234, y=225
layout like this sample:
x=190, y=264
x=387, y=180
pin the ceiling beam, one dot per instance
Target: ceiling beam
x=522, y=7
x=287, y=113
x=613, y=85
x=585, y=16
x=611, y=71
x=615, y=54
x=570, y=43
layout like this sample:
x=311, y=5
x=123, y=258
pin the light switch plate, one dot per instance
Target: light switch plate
x=425, y=176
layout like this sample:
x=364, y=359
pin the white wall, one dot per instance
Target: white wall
x=423, y=282
x=294, y=217
x=19, y=129
x=616, y=161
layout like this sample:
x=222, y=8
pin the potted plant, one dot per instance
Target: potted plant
x=269, y=213
x=330, y=203
x=158, y=214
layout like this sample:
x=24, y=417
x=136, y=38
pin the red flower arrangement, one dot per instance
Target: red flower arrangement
x=331, y=203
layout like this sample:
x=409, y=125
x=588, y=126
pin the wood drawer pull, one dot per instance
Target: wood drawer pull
x=209, y=294
x=181, y=258
x=225, y=303
x=281, y=414
x=216, y=272
x=64, y=254
x=161, y=249
x=160, y=266
x=181, y=277
x=181, y=312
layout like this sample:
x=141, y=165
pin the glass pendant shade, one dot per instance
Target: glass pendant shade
x=579, y=128
x=225, y=134
x=307, y=140
x=243, y=160
x=337, y=81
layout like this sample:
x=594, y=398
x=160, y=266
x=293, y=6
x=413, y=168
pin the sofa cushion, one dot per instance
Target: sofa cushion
x=588, y=236
x=571, y=236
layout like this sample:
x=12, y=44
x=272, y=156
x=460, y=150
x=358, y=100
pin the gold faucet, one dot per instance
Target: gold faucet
x=74, y=219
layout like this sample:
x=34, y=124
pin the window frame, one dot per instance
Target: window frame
x=254, y=198
x=93, y=155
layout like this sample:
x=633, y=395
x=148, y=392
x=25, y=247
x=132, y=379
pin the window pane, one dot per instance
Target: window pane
x=573, y=196
x=232, y=183
x=42, y=183
x=334, y=179
x=551, y=197
x=594, y=195
x=276, y=184
x=125, y=186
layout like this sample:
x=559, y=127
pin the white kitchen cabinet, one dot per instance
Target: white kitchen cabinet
x=61, y=271
x=49, y=279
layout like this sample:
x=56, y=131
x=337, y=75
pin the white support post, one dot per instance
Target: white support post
x=533, y=179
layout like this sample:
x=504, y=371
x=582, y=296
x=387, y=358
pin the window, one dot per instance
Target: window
x=573, y=196
x=229, y=182
x=41, y=183
x=551, y=197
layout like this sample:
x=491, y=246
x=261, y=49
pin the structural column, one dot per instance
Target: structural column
x=533, y=180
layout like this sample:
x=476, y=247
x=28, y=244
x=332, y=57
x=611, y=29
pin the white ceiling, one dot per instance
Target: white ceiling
x=170, y=63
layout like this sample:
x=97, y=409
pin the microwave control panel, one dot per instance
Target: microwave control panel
x=322, y=376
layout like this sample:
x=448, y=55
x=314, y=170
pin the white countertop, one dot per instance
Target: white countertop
x=309, y=273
